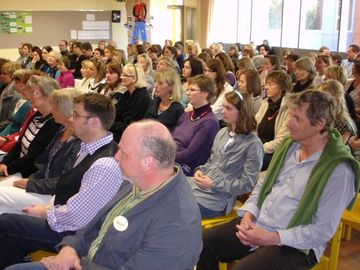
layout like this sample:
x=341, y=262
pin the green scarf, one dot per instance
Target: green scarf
x=334, y=153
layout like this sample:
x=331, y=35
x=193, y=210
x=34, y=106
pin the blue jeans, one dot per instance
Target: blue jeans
x=140, y=29
x=208, y=213
x=20, y=235
x=27, y=266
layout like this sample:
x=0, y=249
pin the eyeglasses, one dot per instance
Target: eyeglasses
x=75, y=115
x=35, y=93
x=193, y=90
x=209, y=70
x=127, y=76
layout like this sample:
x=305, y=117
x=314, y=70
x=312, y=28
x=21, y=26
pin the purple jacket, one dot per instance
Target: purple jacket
x=194, y=140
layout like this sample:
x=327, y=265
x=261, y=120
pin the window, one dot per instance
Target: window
x=313, y=10
x=275, y=13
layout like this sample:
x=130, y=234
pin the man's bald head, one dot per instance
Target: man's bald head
x=154, y=139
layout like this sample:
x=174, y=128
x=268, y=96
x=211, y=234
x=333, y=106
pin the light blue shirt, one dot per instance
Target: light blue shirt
x=282, y=202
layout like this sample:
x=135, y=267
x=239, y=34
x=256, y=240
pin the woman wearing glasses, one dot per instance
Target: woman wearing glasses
x=165, y=107
x=58, y=158
x=38, y=131
x=195, y=131
x=235, y=160
x=134, y=103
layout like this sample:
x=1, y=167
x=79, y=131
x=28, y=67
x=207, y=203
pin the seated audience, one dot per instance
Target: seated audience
x=270, y=63
x=216, y=72
x=80, y=192
x=336, y=72
x=37, y=61
x=38, y=133
x=87, y=75
x=8, y=97
x=17, y=193
x=304, y=74
x=51, y=69
x=192, y=67
x=22, y=107
x=272, y=116
x=353, y=86
x=165, y=107
x=348, y=63
x=295, y=209
x=249, y=82
x=229, y=67
x=290, y=66
x=343, y=122
x=322, y=62
x=97, y=73
x=76, y=59
x=245, y=63
x=235, y=160
x=195, y=131
x=66, y=77
x=158, y=240
x=134, y=102
x=145, y=62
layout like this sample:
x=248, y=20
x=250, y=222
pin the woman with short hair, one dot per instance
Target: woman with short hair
x=195, y=131
x=304, y=74
x=272, y=116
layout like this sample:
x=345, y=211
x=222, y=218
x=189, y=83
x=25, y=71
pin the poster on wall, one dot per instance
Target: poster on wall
x=140, y=22
x=15, y=23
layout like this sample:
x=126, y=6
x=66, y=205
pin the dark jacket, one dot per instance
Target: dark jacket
x=164, y=232
x=130, y=108
x=169, y=118
x=62, y=161
x=25, y=165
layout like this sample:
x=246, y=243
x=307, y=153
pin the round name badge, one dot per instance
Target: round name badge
x=120, y=223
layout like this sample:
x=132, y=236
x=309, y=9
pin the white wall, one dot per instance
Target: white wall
x=119, y=32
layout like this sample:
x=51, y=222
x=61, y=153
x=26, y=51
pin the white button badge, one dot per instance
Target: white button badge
x=120, y=223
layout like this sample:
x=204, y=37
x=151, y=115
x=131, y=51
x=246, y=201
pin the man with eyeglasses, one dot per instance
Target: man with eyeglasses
x=80, y=192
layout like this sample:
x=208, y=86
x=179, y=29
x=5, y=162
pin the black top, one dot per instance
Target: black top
x=169, y=117
x=301, y=87
x=25, y=165
x=69, y=183
x=266, y=128
x=130, y=108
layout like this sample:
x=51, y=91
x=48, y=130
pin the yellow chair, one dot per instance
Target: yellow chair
x=325, y=263
x=38, y=255
x=351, y=219
x=211, y=222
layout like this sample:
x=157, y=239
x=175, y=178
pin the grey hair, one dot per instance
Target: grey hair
x=45, y=83
x=321, y=106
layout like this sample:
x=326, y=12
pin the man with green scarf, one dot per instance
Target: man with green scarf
x=295, y=209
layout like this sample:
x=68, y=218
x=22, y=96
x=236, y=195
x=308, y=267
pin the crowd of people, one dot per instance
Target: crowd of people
x=112, y=158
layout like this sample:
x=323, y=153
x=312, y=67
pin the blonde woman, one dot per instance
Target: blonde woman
x=135, y=101
x=83, y=84
x=337, y=72
x=166, y=107
x=145, y=62
x=343, y=122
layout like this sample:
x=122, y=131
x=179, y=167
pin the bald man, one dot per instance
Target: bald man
x=152, y=224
